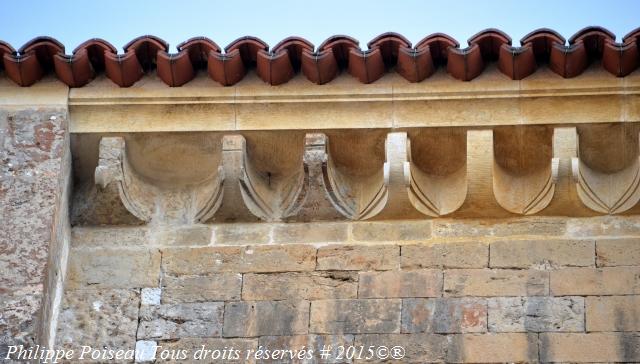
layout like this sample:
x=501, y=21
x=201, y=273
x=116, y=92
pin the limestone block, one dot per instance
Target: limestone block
x=493, y=348
x=418, y=348
x=445, y=255
x=241, y=234
x=355, y=316
x=391, y=231
x=183, y=235
x=595, y=281
x=261, y=318
x=542, y=254
x=109, y=237
x=614, y=252
x=191, y=288
x=180, y=320
x=417, y=283
x=499, y=228
x=113, y=268
x=310, y=233
x=358, y=257
x=613, y=313
x=536, y=314
x=239, y=259
x=308, y=342
x=605, y=226
x=495, y=282
x=444, y=315
x=589, y=348
x=303, y=285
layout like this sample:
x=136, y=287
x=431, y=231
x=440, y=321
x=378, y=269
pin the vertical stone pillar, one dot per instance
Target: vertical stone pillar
x=35, y=181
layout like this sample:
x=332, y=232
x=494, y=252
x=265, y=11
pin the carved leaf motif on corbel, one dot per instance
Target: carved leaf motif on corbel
x=136, y=195
x=607, y=168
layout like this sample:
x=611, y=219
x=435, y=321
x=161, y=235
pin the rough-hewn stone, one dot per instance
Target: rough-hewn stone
x=298, y=343
x=615, y=252
x=355, y=316
x=418, y=348
x=261, y=318
x=444, y=315
x=98, y=318
x=445, y=255
x=542, y=254
x=212, y=287
x=493, y=348
x=495, y=282
x=239, y=259
x=605, y=226
x=113, y=268
x=590, y=348
x=536, y=314
x=613, y=313
x=213, y=352
x=300, y=285
x=358, y=257
x=181, y=320
x=391, y=231
x=417, y=283
x=592, y=281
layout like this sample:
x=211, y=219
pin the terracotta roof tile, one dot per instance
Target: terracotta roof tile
x=384, y=53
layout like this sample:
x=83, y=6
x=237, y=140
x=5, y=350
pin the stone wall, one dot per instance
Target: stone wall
x=509, y=290
x=34, y=182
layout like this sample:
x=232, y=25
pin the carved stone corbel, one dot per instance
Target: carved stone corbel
x=607, y=168
x=524, y=173
x=183, y=204
x=249, y=194
x=438, y=170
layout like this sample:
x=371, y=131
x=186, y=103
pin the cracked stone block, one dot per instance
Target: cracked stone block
x=444, y=315
x=176, y=321
x=304, y=285
x=197, y=288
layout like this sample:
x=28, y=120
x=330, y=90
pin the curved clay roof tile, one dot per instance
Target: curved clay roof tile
x=226, y=69
x=146, y=48
x=366, y=66
x=389, y=36
x=74, y=70
x=123, y=69
x=319, y=67
x=23, y=69
x=198, y=48
x=438, y=44
x=590, y=31
x=517, y=62
x=568, y=61
x=96, y=48
x=274, y=68
x=620, y=59
x=490, y=41
x=294, y=47
x=415, y=64
x=175, y=69
x=632, y=36
x=389, y=44
x=465, y=64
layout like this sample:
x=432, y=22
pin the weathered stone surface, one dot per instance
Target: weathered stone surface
x=499, y=228
x=239, y=259
x=98, y=318
x=212, y=287
x=391, y=231
x=445, y=255
x=418, y=348
x=181, y=320
x=34, y=171
x=493, y=348
x=302, y=285
x=310, y=233
x=358, y=257
x=417, y=283
x=241, y=234
x=605, y=226
x=613, y=313
x=183, y=235
x=444, y=315
x=590, y=348
x=213, y=351
x=109, y=237
x=262, y=318
x=113, y=268
x=299, y=343
x=592, y=281
x=542, y=254
x=536, y=314
x=355, y=316
x=495, y=282
x=615, y=252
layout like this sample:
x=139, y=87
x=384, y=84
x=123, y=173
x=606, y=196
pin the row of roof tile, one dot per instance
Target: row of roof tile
x=320, y=65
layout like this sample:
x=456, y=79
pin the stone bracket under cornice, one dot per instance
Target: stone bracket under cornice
x=579, y=170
